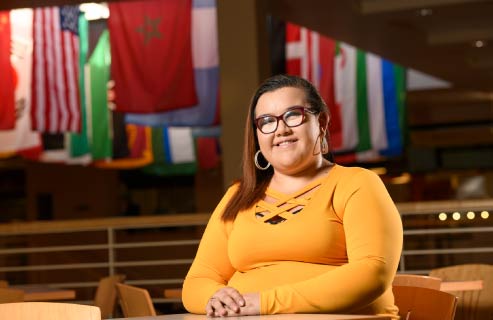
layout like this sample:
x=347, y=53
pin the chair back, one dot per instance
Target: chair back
x=415, y=280
x=473, y=304
x=417, y=303
x=105, y=297
x=135, y=302
x=8, y=295
x=49, y=311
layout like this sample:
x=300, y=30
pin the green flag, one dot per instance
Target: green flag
x=97, y=76
x=79, y=145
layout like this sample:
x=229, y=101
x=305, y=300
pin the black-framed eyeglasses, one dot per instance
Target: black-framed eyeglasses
x=293, y=117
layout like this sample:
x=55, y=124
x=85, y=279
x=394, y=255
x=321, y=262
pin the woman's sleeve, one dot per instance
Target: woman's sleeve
x=373, y=235
x=211, y=268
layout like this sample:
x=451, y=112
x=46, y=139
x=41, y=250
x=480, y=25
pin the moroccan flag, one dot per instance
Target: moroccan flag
x=151, y=55
x=55, y=91
x=206, y=71
x=7, y=100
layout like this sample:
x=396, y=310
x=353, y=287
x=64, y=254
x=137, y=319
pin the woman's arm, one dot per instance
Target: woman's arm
x=373, y=235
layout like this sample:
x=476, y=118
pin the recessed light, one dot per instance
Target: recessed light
x=425, y=12
x=479, y=43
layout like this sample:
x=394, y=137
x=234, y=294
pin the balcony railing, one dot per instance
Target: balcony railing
x=156, y=251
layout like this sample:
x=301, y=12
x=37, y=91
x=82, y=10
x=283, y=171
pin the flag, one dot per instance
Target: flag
x=311, y=56
x=368, y=95
x=7, y=96
x=97, y=75
x=151, y=55
x=174, y=152
x=21, y=140
x=79, y=144
x=140, y=146
x=206, y=73
x=55, y=72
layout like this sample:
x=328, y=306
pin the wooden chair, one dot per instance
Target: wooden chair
x=415, y=280
x=418, y=303
x=473, y=304
x=8, y=295
x=105, y=297
x=48, y=311
x=135, y=302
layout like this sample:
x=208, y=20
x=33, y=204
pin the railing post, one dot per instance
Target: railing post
x=111, y=251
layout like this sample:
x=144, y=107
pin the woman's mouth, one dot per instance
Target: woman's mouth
x=285, y=143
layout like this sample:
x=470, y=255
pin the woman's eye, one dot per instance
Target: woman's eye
x=292, y=114
x=267, y=120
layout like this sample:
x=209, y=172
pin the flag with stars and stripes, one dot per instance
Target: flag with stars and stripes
x=55, y=71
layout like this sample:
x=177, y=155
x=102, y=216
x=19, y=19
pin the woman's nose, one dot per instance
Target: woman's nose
x=282, y=128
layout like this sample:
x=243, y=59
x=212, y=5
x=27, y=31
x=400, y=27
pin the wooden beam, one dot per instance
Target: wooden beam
x=453, y=137
x=385, y=6
x=459, y=35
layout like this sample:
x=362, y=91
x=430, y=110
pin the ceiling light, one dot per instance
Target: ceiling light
x=425, y=12
x=95, y=11
x=479, y=43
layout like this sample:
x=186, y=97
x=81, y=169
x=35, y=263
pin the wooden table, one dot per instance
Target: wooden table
x=188, y=316
x=40, y=293
x=471, y=285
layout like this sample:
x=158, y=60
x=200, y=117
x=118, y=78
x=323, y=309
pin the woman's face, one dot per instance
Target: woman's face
x=290, y=150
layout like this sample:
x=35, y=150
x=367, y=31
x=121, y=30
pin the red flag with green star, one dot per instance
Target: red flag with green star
x=151, y=56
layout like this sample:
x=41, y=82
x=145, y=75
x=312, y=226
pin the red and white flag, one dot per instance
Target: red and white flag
x=55, y=91
x=311, y=56
x=7, y=76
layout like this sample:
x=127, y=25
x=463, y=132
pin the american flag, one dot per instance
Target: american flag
x=55, y=90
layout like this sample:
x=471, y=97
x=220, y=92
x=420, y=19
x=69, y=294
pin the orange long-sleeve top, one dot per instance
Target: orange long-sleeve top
x=338, y=254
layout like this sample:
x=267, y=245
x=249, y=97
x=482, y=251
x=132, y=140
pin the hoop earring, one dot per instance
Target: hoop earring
x=324, y=145
x=255, y=159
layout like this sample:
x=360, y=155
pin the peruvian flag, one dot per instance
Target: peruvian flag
x=311, y=56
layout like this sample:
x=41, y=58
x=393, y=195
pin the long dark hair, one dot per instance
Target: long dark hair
x=254, y=182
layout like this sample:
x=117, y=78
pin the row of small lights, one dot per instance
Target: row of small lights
x=470, y=215
x=428, y=12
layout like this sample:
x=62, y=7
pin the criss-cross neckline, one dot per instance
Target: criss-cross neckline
x=281, y=208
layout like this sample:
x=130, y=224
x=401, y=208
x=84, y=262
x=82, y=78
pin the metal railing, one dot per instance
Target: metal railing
x=177, y=237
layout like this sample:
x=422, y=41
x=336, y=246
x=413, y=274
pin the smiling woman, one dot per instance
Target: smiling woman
x=298, y=233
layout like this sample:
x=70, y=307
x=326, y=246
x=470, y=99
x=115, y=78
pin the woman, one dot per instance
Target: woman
x=298, y=233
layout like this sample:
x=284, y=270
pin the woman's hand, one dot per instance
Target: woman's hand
x=252, y=304
x=225, y=302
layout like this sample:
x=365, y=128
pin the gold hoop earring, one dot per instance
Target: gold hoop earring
x=324, y=145
x=255, y=159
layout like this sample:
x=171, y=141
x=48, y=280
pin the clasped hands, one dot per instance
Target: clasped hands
x=228, y=302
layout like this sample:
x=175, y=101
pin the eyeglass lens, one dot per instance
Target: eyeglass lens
x=292, y=118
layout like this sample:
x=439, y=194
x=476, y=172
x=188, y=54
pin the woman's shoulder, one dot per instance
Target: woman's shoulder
x=355, y=176
x=353, y=172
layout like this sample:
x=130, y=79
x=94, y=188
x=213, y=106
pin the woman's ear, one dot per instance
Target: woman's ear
x=323, y=120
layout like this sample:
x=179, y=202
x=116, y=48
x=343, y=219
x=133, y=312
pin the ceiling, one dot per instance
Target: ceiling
x=438, y=37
